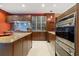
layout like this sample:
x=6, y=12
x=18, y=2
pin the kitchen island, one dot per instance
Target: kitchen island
x=17, y=44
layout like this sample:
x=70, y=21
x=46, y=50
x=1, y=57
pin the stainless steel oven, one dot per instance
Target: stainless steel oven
x=65, y=28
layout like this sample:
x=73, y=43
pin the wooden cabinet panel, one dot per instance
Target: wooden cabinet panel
x=50, y=21
x=6, y=49
x=72, y=11
x=25, y=46
x=18, y=48
x=39, y=36
x=16, y=17
x=29, y=38
x=51, y=37
x=22, y=46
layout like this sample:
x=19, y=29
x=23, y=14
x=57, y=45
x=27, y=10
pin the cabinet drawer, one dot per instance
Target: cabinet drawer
x=61, y=51
x=65, y=41
x=66, y=47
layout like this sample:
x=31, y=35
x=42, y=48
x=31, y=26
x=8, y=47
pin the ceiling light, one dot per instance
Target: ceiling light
x=0, y=5
x=23, y=5
x=43, y=5
x=54, y=5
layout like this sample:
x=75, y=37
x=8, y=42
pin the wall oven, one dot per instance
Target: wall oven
x=65, y=28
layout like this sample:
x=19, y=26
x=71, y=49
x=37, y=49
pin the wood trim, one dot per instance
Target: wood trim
x=33, y=14
x=77, y=31
x=69, y=11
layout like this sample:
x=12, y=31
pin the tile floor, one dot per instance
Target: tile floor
x=41, y=48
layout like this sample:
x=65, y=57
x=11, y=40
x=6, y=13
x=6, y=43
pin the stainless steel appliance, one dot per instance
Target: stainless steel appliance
x=65, y=28
x=65, y=36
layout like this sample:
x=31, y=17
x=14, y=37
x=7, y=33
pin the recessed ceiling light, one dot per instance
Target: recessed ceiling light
x=43, y=5
x=54, y=5
x=23, y=5
x=0, y=5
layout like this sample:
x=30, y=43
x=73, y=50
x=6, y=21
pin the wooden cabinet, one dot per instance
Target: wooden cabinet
x=39, y=36
x=27, y=44
x=20, y=47
x=38, y=23
x=51, y=37
x=68, y=46
x=19, y=17
x=6, y=49
x=29, y=38
x=50, y=17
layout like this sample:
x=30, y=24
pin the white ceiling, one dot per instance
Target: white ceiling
x=35, y=7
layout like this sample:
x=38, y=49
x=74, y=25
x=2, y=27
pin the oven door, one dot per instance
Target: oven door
x=66, y=33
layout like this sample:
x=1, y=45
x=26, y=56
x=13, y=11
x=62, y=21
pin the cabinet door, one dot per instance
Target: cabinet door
x=18, y=48
x=29, y=42
x=51, y=37
x=33, y=23
x=6, y=49
x=25, y=46
x=43, y=23
x=38, y=23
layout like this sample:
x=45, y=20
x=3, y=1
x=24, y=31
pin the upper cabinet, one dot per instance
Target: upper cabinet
x=39, y=23
x=44, y=22
x=19, y=17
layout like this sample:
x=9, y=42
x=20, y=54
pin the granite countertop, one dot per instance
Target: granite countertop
x=15, y=36
x=52, y=32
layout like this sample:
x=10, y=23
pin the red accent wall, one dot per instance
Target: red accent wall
x=4, y=26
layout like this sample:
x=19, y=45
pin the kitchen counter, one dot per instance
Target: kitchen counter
x=15, y=36
x=52, y=32
x=17, y=44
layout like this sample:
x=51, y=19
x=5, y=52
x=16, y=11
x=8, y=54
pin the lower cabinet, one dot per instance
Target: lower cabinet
x=6, y=49
x=27, y=45
x=64, y=47
x=51, y=37
x=20, y=47
x=39, y=36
